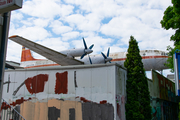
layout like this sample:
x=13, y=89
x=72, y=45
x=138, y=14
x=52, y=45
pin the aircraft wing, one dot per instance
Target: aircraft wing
x=50, y=54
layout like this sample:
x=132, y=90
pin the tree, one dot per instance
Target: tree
x=138, y=98
x=171, y=19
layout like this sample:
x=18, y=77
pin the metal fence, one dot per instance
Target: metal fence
x=9, y=113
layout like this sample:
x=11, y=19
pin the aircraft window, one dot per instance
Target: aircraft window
x=163, y=53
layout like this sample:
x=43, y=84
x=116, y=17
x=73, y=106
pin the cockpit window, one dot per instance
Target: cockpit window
x=163, y=53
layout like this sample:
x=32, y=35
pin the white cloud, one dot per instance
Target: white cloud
x=160, y=4
x=28, y=22
x=59, y=28
x=41, y=22
x=91, y=23
x=32, y=21
x=32, y=33
x=74, y=19
x=13, y=51
x=117, y=48
x=149, y=34
x=46, y=8
x=66, y=10
x=69, y=35
x=16, y=16
x=57, y=43
x=107, y=8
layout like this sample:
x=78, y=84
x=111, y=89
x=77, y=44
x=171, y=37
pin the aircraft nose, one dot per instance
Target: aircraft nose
x=88, y=51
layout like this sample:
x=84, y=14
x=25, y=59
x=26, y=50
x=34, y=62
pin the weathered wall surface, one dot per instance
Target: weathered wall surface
x=120, y=93
x=52, y=110
x=86, y=93
x=164, y=110
x=163, y=100
x=161, y=87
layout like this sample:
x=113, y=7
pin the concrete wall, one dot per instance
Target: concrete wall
x=161, y=87
x=88, y=92
x=163, y=101
x=121, y=77
x=164, y=110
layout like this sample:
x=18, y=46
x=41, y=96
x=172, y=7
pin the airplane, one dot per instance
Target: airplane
x=65, y=57
x=152, y=59
x=78, y=51
x=97, y=59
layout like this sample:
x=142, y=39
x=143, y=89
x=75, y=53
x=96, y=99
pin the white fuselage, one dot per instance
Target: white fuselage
x=71, y=53
x=152, y=59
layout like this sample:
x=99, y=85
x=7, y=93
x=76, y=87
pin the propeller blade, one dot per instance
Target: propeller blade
x=108, y=52
x=103, y=55
x=83, y=55
x=90, y=59
x=107, y=58
x=91, y=46
x=84, y=43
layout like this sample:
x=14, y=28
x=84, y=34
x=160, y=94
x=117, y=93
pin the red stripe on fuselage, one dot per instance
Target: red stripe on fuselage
x=143, y=57
x=118, y=59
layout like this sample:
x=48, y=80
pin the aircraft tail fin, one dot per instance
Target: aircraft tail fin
x=26, y=55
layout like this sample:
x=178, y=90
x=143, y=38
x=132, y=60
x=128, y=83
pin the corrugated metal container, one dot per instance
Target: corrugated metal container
x=80, y=92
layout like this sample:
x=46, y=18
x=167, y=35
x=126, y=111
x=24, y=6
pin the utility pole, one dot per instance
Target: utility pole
x=4, y=30
x=6, y=6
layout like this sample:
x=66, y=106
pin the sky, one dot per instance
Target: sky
x=61, y=24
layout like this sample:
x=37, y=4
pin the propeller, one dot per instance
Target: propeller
x=87, y=50
x=89, y=59
x=107, y=58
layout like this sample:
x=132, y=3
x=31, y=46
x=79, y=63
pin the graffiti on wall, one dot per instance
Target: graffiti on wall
x=120, y=104
x=36, y=83
x=166, y=87
x=61, y=83
x=164, y=110
x=51, y=108
x=55, y=109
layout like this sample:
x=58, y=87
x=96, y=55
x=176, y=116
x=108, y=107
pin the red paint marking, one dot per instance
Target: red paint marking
x=143, y=57
x=19, y=101
x=103, y=102
x=5, y=106
x=36, y=84
x=154, y=114
x=61, y=83
x=119, y=110
x=84, y=99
